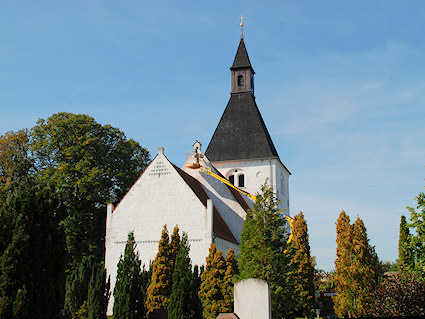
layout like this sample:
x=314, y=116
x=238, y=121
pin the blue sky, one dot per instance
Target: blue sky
x=340, y=85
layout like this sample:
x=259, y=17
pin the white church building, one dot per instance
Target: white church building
x=209, y=211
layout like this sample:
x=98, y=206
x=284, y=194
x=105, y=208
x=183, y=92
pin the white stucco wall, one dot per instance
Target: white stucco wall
x=160, y=196
x=256, y=172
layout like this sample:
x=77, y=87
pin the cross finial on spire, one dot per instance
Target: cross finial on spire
x=242, y=17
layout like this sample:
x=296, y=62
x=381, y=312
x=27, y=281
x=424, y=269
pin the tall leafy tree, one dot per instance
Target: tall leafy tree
x=262, y=252
x=212, y=283
x=405, y=253
x=16, y=164
x=89, y=164
x=302, y=266
x=32, y=265
x=128, y=294
x=158, y=292
x=184, y=297
x=417, y=239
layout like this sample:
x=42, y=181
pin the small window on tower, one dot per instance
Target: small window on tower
x=232, y=179
x=240, y=80
x=241, y=180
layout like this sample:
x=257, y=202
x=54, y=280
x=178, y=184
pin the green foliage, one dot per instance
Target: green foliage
x=211, y=292
x=129, y=301
x=98, y=293
x=184, y=300
x=302, y=266
x=357, y=268
x=397, y=296
x=32, y=264
x=263, y=242
x=16, y=165
x=77, y=283
x=405, y=253
x=89, y=165
x=159, y=290
x=417, y=239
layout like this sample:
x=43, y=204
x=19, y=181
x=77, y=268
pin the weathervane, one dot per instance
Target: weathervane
x=242, y=17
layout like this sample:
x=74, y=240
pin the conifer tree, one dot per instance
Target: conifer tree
x=405, y=254
x=158, y=292
x=32, y=265
x=342, y=277
x=357, y=268
x=98, y=293
x=77, y=283
x=231, y=271
x=211, y=289
x=263, y=243
x=302, y=266
x=184, y=294
x=363, y=268
x=128, y=294
x=174, y=248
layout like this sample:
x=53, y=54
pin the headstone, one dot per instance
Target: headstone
x=227, y=315
x=252, y=299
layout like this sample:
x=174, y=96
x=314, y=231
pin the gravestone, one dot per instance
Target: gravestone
x=228, y=315
x=252, y=299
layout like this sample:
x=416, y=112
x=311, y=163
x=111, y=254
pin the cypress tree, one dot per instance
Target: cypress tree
x=32, y=265
x=231, y=271
x=405, y=253
x=302, y=266
x=98, y=293
x=342, y=278
x=158, y=292
x=174, y=248
x=184, y=294
x=357, y=268
x=128, y=294
x=77, y=283
x=263, y=243
x=211, y=289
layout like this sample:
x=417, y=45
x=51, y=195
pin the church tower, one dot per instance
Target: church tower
x=241, y=148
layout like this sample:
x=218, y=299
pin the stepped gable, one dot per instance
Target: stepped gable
x=241, y=133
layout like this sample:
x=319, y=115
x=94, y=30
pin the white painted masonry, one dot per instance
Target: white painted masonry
x=162, y=197
x=256, y=172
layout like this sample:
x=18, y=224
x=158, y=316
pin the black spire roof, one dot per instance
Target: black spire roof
x=241, y=132
x=241, y=58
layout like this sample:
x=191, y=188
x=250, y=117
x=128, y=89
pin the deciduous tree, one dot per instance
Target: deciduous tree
x=417, y=239
x=90, y=165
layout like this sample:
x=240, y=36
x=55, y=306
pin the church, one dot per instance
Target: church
x=193, y=197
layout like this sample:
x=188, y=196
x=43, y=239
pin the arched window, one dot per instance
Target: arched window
x=236, y=177
x=240, y=80
x=241, y=180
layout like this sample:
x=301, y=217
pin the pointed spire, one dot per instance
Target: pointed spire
x=241, y=58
